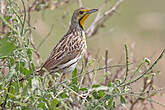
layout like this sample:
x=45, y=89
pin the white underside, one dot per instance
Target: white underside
x=70, y=68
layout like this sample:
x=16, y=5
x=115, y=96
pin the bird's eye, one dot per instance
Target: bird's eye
x=81, y=12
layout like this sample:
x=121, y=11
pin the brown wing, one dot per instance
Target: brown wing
x=67, y=49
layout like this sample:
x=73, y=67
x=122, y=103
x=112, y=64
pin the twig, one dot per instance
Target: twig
x=156, y=102
x=24, y=18
x=103, y=68
x=127, y=62
x=3, y=14
x=79, y=95
x=146, y=98
x=15, y=12
x=80, y=3
x=106, y=60
x=32, y=5
x=106, y=64
x=46, y=37
x=30, y=35
x=97, y=69
x=100, y=19
x=8, y=25
x=137, y=69
x=5, y=101
x=145, y=72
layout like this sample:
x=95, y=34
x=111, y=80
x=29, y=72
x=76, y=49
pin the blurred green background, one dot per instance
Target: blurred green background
x=139, y=23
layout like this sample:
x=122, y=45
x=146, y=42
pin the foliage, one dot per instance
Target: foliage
x=21, y=87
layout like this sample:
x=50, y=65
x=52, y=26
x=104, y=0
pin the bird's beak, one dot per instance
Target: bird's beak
x=92, y=11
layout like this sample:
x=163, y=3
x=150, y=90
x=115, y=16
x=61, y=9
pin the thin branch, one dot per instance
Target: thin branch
x=32, y=5
x=8, y=25
x=24, y=18
x=106, y=70
x=8, y=90
x=103, y=68
x=145, y=72
x=31, y=36
x=97, y=69
x=79, y=95
x=127, y=62
x=15, y=12
x=3, y=14
x=156, y=102
x=106, y=60
x=100, y=19
x=46, y=37
x=137, y=69
x=80, y=3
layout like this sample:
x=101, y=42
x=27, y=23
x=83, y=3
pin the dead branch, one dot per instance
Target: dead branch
x=101, y=18
x=3, y=14
x=30, y=33
x=46, y=37
x=80, y=3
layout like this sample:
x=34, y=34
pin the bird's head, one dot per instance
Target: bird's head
x=80, y=15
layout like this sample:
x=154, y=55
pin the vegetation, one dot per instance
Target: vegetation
x=21, y=88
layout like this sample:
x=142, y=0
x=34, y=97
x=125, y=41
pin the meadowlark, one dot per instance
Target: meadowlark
x=70, y=49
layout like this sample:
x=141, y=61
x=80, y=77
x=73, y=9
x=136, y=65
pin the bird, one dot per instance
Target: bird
x=71, y=48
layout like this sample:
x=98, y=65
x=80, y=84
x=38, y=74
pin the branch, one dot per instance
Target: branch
x=97, y=69
x=80, y=3
x=31, y=36
x=24, y=18
x=8, y=25
x=127, y=62
x=3, y=14
x=46, y=37
x=145, y=72
x=8, y=90
x=100, y=19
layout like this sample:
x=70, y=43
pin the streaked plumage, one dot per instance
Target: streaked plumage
x=71, y=47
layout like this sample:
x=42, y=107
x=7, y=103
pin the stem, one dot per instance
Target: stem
x=127, y=63
x=145, y=72
x=23, y=24
x=8, y=25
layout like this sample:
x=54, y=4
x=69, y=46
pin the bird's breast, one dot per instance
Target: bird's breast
x=84, y=47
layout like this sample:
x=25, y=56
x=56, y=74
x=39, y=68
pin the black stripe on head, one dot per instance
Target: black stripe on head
x=80, y=20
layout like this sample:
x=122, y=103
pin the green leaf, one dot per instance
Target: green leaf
x=25, y=88
x=114, y=105
x=7, y=18
x=96, y=85
x=6, y=47
x=122, y=100
x=118, y=81
x=75, y=88
x=109, y=84
x=83, y=89
x=32, y=67
x=101, y=93
x=110, y=103
x=27, y=72
x=64, y=95
x=42, y=105
x=29, y=53
x=54, y=102
x=12, y=61
x=74, y=77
